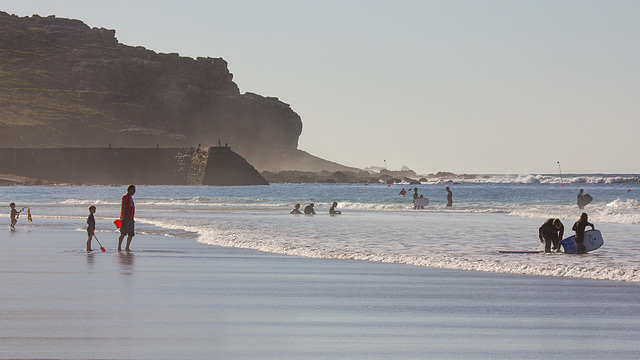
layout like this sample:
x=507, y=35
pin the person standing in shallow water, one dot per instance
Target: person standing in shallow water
x=91, y=226
x=580, y=196
x=551, y=233
x=579, y=227
x=127, y=212
x=449, y=197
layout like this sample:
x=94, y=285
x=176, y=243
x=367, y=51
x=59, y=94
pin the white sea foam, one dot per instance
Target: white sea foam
x=540, y=179
x=88, y=202
x=328, y=245
x=620, y=212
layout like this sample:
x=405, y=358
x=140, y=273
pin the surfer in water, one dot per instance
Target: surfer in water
x=580, y=202
x=333, y=210
x=551, y=233
x=308, y=210
x=403, y=192
x=415, y=196
x=579, y=227
x=449, y=197
x=296, y=210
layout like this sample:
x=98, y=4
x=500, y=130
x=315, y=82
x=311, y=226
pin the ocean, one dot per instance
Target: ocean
x=489, y=213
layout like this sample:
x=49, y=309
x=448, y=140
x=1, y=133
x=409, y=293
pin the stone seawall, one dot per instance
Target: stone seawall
x=151, y=166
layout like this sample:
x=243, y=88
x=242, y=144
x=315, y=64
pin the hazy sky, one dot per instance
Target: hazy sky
x=462, y=86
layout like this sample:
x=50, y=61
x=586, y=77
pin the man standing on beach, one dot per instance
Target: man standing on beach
x=127, y=211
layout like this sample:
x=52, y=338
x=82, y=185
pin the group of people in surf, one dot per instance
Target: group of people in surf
x=125, y=223
x=551, y=232
x=310, y=210
x=403, y=192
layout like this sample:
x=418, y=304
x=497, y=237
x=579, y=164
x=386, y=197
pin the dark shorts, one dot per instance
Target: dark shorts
x=127, y=227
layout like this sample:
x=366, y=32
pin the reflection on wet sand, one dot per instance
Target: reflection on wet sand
x=125, y=259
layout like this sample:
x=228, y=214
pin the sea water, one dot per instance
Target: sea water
x=489, y=213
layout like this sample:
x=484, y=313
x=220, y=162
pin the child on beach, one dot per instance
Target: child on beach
x=14, y=215
x=91, y=226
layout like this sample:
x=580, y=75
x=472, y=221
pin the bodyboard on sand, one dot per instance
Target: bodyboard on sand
x=585, y=200
x=421, y=202
x=592, y=241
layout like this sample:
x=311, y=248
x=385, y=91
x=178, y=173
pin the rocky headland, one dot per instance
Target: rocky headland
x=64, y=84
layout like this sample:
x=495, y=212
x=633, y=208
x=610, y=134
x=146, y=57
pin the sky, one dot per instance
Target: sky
x=470, y=87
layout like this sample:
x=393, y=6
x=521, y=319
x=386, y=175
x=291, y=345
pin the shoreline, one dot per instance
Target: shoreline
x=177, y=298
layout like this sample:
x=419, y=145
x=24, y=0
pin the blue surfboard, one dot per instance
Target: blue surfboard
x=592, y=241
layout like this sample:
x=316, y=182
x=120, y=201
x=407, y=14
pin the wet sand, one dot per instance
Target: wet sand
x=174, y=298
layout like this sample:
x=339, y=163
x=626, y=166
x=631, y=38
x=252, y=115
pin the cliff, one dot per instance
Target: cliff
x=64, y=84
x=152, y=166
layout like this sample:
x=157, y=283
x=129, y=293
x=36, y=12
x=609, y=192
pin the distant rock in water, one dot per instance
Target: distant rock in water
x=65, y=84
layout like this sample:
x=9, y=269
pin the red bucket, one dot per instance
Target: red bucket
x=118, y=223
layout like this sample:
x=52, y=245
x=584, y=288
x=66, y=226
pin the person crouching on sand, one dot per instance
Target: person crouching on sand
x=91, y=226
x=551, y=232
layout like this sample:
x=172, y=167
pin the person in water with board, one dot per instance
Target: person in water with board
x=551, y=233
x=296, y=210
x=579, y=227
x=580, y=201
x=333, y=210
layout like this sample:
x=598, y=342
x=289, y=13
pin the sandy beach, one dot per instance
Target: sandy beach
x=175, y=298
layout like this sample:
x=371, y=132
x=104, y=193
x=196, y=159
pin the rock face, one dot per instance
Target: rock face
x=65, y=84
x=106, y=166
